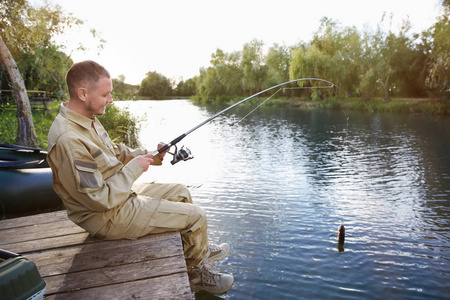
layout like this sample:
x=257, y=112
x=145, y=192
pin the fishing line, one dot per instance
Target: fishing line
x=298, y=88
x=257, y=107
x=185, y=153
x=343, y=110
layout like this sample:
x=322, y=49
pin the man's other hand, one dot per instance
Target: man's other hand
x=144, y=160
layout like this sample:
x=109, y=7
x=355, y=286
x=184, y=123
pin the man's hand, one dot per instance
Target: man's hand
x=144, y=160
x=161, y=155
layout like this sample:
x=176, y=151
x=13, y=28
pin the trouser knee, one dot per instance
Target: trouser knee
x=183, y=193
x=197, y=220
x=195, y=239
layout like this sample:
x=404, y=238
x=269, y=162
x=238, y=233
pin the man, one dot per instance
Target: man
x=95, y=179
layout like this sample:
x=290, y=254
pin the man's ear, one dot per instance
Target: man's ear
x=82, y=94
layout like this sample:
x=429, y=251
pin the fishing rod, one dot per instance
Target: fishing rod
x=185, y=153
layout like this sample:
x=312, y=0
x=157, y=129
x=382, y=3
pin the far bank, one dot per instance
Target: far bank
x=397, y=105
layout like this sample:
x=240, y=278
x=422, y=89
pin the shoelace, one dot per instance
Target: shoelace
x=208, y=277
x=214, y=248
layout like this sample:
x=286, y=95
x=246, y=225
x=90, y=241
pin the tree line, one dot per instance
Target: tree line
x=373, y=63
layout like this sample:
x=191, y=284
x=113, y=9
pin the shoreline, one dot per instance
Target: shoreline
x=396, y=105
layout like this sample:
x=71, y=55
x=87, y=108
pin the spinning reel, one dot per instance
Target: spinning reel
x=182, y=154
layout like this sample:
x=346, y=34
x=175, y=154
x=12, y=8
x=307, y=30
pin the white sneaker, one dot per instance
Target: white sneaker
x=202, y=279
x=215, y=253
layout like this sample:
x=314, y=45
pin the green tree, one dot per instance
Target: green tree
x=277, y=62
x=123, y=90
x=227, y=70
x=209, y=88
x=342, y=49
x=222, y=80
x=309, y=62
x=155, y=86
x=187, y=88
x=333, y=55
x=45, y=69
x=18, y=35
x=368, y=76
x=119, y=87
x=384, y=58
x=438, y=77
x=408, y=63
x=254, y=70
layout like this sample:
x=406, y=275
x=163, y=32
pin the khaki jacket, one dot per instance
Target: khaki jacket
x=93, y=175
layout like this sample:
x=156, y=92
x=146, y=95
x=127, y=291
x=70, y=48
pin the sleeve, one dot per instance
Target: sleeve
x=125, y=153
x=81, y=176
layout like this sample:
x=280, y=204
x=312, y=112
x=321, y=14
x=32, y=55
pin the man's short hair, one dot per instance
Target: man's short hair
x=86, y=73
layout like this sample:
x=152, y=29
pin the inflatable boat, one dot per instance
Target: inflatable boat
x=25, y=182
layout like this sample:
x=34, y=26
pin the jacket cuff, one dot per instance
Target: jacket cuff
x=135, y=168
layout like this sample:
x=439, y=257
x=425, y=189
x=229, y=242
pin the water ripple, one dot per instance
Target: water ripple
x=278, y=185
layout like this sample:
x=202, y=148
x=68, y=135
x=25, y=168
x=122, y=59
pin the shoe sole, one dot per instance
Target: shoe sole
x=196, y=289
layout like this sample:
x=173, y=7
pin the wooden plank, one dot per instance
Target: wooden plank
x=175, y=286
x=91, y=245
x=26, y=247
x=111, y=253
x=34, y=219
x=114, y=275
x=39, y=231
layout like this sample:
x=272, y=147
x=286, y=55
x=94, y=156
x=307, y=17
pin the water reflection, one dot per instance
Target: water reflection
x=277, y=185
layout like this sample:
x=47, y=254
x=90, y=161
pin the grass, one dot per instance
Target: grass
x=42, y=121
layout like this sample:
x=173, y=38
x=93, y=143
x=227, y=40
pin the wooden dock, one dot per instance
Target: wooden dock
x=37, y=98
x=77, y=266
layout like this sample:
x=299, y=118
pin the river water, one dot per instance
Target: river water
x=278, y=184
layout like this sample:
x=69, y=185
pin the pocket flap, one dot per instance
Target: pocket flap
x=86, y=166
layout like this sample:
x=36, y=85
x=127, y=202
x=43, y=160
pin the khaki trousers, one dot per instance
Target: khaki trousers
x=163, y=208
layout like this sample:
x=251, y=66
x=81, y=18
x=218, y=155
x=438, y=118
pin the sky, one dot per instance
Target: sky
x=177, y=37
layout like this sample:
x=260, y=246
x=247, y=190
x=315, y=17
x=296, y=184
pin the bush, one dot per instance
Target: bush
x=121, y=126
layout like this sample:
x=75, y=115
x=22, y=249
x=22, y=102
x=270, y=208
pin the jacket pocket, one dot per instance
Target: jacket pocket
x=87, y=176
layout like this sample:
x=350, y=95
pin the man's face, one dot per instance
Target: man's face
x=98, y=96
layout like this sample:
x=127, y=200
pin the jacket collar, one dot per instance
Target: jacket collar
x=76, y=117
